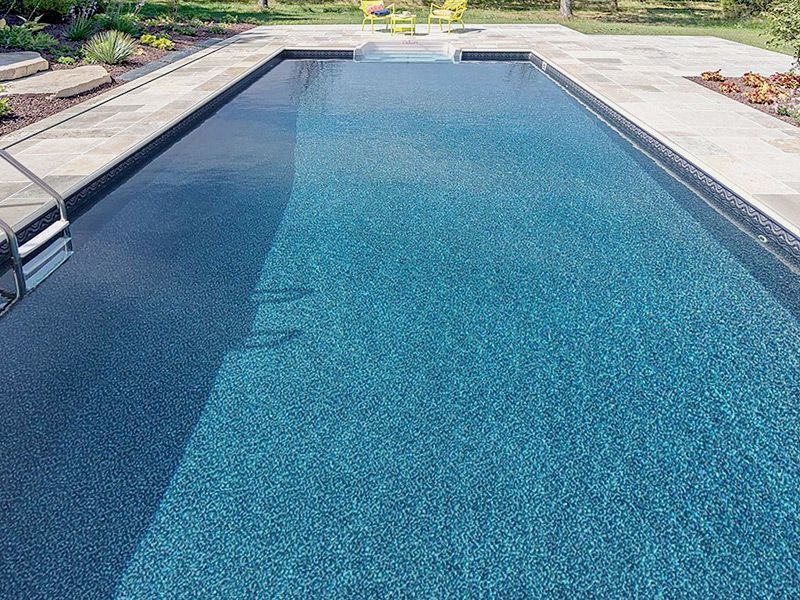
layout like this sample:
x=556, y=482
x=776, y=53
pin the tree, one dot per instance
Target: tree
x=263, y=4
x=566, y=9
x=784, y=23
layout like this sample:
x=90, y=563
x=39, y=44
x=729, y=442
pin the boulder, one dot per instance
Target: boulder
x=14, y=65
x=62, y=83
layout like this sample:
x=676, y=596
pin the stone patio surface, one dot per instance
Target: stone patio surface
x=642, y=77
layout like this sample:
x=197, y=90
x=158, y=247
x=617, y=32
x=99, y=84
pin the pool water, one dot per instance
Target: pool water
x=403, y=330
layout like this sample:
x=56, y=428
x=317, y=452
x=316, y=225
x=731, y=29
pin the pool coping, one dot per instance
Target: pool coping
x=745, y=212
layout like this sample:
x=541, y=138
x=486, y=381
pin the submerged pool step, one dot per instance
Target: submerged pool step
x=42, y=238
x=48, y=260
x=408, y=51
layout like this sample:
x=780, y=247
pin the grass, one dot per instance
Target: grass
x=635, y=17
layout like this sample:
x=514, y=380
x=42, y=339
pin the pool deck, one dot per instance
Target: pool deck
x=642, y=77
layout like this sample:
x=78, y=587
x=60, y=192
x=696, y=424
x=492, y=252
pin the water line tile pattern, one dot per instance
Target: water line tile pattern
x=552, y=371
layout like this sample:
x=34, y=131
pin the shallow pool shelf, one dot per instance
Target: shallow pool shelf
x=407, y=51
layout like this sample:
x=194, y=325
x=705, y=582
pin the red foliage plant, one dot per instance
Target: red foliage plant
x=786, y=80
x=729, y=87
x=712, y=75
x=753, y=80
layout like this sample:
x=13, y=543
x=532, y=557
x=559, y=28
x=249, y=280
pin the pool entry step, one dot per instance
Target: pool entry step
x=408, y=51
x=34, y=260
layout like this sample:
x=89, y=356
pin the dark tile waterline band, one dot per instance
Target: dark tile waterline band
x=772, y=235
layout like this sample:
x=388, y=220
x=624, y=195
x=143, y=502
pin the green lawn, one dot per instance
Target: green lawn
x=635, y=17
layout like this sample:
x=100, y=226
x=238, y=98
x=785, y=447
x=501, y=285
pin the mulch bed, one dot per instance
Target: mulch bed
x=30, y=108
x=770, y=109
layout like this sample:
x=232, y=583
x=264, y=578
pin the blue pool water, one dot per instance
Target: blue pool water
x=403, y=330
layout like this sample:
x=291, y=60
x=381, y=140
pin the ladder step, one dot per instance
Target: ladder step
x=46, y=262
x=42, y=238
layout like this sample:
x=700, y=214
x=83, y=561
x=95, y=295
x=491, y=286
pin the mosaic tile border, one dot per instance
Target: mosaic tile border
x=318, y=54
x=479, y=55
x=755, y=222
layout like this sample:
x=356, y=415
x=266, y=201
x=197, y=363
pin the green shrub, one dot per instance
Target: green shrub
x=162, y=43
x=109, y=47
x=215, y=29
x=784, y=23
x=22, y=38
x=51, y=11
x=734, y=9
x=124, y=22
x=5, y=107
x=66, y=60
x=80, y=28
x=189, y=30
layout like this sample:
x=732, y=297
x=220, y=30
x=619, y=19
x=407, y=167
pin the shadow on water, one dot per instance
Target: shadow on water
x=106, y=368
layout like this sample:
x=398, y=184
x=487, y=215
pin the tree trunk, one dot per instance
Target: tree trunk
x=566, y=9
x=614, y=5
x=263, y=4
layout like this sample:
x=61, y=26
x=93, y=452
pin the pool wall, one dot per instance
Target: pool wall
x=743, y=214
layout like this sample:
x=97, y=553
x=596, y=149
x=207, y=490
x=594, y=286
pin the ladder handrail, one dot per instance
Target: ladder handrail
x=62, y=207
x=16, y=261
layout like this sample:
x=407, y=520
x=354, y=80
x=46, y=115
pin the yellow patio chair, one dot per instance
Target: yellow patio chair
x=451, y=11
x=368, y=16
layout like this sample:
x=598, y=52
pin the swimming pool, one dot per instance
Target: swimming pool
x=412, y=330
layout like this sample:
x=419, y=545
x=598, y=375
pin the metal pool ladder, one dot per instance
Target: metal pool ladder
x=37, y=258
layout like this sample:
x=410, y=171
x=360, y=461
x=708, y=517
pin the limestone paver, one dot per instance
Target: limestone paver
x=14, y=65
x=61, y=84
x=643, y=77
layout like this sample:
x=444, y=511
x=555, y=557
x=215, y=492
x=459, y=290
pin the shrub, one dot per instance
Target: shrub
x=729, y=87
x=788, y=111
x=190, y=27
x=5, y=107
x=712, y=76
x=754, y=80
x=215, y=29
x=66, y=60
x=734, y=9
x=766, y=94
x=185, y=30
x=80, y=28
x=784, y=23
x=790, y=81
x=22, y=38
x=125, y=22
x=109, y=47
x=162, y=43
x=51, y=11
